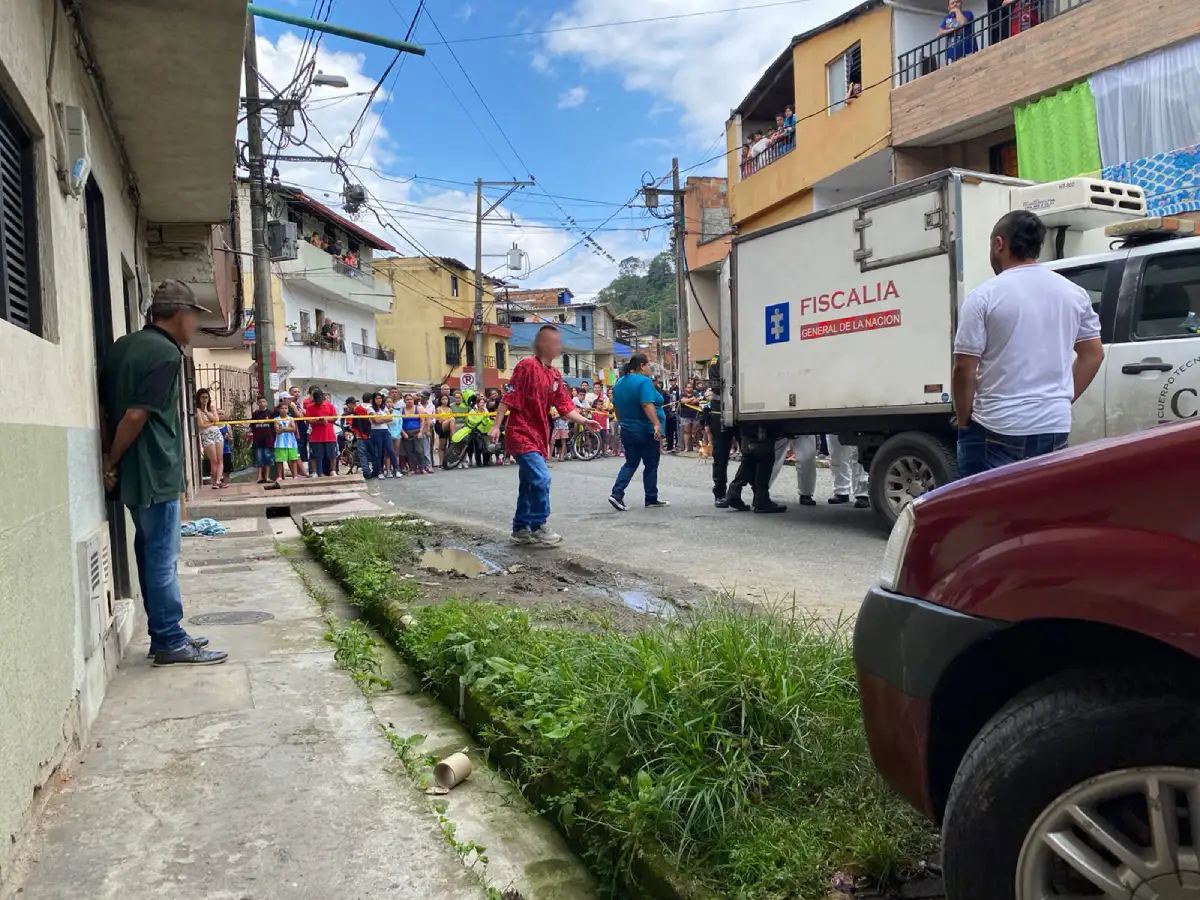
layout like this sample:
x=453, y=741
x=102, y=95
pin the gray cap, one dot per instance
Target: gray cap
x=172, y=295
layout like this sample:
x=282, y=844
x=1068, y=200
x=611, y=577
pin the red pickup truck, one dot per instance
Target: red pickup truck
x=1029, y=666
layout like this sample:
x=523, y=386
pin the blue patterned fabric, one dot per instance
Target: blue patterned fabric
x=1171, y=180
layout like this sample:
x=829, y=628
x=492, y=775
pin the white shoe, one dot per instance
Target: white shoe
x=544, y=536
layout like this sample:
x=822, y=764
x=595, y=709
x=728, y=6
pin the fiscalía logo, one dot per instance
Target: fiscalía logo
x=1179, y=398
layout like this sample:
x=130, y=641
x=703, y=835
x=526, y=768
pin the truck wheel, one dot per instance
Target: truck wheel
x=1086, y=785
x=907, y=466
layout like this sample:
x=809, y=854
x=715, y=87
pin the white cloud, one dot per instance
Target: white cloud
x=703, y=65
x=425, y=209
x=464, y=13
x=573, y=97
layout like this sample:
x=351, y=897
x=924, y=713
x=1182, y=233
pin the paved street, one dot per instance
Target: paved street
x=825, y=555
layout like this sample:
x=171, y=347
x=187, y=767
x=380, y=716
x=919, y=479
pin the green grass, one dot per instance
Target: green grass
x=363, y=554
x=357, y=653
x=728, y=742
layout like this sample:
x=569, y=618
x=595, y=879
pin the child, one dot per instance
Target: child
x=263, y=433
x=600, y=417
x=287, y=450
x=226, y=454
x=559, y=436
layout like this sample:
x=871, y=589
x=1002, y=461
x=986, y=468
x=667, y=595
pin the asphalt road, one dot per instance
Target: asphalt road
x=825, y=557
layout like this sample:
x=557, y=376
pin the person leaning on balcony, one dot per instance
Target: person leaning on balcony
x=958, y=22
x=789, y=124
x=1023, y=13
x=759, y=145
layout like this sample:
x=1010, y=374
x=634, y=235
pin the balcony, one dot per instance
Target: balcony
x=327, y=365
x=335, y=280
x=982, y=32
x=771, y=152
x=374, y=352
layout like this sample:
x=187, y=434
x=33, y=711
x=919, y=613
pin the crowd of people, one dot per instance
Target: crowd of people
x=334, y=247
x=767, y=146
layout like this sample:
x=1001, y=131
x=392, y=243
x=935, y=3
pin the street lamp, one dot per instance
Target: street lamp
x=333, y=81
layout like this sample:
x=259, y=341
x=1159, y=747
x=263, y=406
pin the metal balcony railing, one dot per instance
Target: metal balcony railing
x=772, y=152
x=374, y=352
x=362, y=270
x=982, y=32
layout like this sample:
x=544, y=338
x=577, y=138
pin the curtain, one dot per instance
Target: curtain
x=1149, y=105
x=1056, y=135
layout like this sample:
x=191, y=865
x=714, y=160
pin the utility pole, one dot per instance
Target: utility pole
x=480, y=215
x=681, y=297
x=264, y=326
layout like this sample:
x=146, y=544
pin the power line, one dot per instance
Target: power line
x=595, y=25
x=412, y=26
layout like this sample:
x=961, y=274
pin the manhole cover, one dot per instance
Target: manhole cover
x=243, y=617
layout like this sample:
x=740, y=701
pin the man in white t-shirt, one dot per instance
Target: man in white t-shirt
x=1028, y=345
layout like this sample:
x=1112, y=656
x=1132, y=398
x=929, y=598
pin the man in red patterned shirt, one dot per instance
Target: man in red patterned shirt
x=535, y=387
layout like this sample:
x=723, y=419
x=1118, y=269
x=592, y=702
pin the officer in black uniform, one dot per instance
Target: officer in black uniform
x=722, y=437
x=758, y=458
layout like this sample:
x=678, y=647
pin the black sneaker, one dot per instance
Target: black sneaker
x=721, y=503
x=189, y=655
x=773, y=508
x=862, y=503
x=617, y=503
x=838, y=500
x=657, y=504
x=736, y=503
x=200, y=642
x=807, y=500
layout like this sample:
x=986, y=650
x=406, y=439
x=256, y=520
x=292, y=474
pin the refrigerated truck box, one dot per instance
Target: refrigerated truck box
x=843, y=321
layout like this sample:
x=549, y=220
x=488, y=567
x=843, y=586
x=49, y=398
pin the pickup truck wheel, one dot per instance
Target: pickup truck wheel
x=1088, y=785
x=907, y=466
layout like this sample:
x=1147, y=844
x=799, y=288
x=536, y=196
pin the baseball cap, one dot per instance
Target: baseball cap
x=172, y=295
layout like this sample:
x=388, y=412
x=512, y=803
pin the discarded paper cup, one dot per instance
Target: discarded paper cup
x=452, y=771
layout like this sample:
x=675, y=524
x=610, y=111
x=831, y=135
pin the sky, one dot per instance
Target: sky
x=589, y=112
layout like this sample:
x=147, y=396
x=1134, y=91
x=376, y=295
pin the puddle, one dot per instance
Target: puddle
x=645, y=602
x=453, y=561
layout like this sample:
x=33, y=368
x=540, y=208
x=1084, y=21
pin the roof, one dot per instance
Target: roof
x=321, y=211
x=784, y=60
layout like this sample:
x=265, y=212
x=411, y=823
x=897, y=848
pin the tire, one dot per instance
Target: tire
x=1060, y=735
x=586, y=445
x=927, y=455
x=456, y=454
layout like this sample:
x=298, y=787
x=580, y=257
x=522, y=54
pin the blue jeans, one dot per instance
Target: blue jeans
x=381, y=446
x=156, y=548
x=644, y=449
x=362, y=449
x=533, y=495
x=980, y=450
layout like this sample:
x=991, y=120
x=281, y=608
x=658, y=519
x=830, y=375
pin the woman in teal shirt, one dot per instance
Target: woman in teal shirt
x=639, y=406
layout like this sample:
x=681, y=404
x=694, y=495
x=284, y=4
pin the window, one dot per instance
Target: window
x=453, y=285
x=320, y=318
x=845, y=78
x=582, y=322
x=1168, y=303
x=566, y=364
x=366, y=338
x=471, y=353
x=1091, y=279
x=501, y=355
x=20, y=294
x=1002, y=159
x=305, y=324
x=562, y=318
x=453, y=350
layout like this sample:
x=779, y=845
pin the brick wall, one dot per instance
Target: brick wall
x=975, y=154
x=703, y=194
x=1099, y=34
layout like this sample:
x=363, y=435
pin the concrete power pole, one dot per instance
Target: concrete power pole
x=480, y=215
x=264, y=327
x=681, y=297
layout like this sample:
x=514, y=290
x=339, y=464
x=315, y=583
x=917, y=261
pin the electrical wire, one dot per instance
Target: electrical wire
x=412, y=27
x=595, y=25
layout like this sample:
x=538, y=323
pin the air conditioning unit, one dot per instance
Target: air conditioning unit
x=94, y=557
x=1081, y=204
x=281, y=240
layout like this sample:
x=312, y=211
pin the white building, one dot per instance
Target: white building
x=323, y=308
x=116, y=159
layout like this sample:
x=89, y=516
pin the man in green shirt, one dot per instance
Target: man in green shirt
x=143, y=460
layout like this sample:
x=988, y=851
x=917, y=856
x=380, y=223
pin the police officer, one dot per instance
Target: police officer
x=722, y=437
x=758, y=459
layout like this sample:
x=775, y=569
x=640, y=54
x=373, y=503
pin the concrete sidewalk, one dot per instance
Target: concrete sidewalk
x=261, y=779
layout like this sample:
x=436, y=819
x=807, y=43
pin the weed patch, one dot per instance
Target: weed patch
x=357, y=653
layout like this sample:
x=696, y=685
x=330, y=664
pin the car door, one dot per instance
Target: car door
x=1152, y=374
x=1101, y=278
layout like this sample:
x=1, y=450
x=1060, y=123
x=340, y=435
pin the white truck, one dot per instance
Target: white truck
x=843, y=321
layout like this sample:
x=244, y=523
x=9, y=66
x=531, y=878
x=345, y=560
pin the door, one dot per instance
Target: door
x=102, y=336
x=1152, y=374
x=1102, y=280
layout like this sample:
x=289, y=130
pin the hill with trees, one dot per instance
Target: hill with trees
x=642, y=291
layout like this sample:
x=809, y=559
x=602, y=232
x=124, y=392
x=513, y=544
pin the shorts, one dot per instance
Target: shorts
x=322, y=450
x=263, y=457
x=210, y=437
x=286, y=454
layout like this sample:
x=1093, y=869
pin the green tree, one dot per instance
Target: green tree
x=642, y=291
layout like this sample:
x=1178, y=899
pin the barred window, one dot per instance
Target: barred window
x=20, y=300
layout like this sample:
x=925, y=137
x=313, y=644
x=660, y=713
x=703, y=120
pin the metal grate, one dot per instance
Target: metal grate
x=19, y=293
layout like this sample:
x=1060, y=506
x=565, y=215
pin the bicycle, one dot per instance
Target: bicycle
x=348, y=458
x=585, y=445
